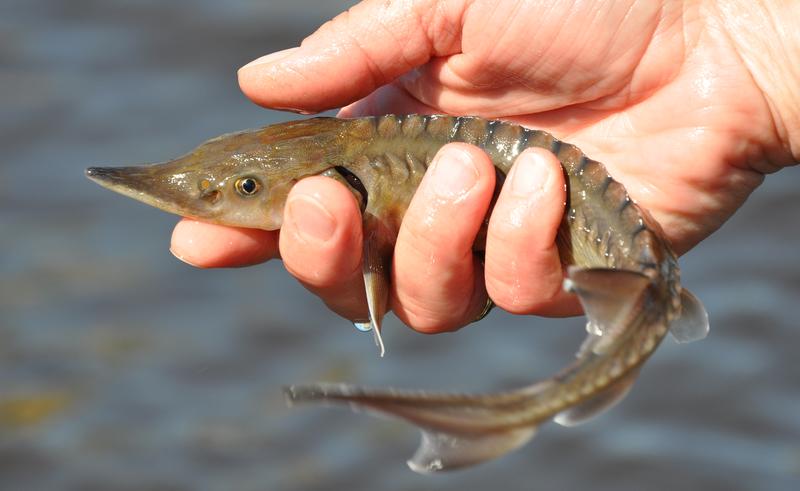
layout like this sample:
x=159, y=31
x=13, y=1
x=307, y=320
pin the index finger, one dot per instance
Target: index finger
x=352, y=55
x=206, y=245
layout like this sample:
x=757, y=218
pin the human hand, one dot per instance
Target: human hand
x=686, y=105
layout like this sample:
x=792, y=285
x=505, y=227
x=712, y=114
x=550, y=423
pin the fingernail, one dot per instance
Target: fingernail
x=454, y=174
x=272, y=57
x=183, y=259
x=530, y=175
x=304, y=112
x=183, y=239
x=313, y=223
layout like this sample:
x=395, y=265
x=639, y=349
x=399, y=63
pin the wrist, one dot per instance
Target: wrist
x=766, y=38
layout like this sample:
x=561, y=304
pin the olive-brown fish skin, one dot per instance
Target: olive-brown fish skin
x=618, y=262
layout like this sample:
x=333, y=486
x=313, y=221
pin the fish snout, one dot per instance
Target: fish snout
x=155, y=185
x=116, y=177
x=103, y=174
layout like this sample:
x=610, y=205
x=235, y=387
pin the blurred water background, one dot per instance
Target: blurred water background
x=123, y=369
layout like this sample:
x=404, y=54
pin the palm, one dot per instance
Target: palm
x=664, y=93
x=657, y=97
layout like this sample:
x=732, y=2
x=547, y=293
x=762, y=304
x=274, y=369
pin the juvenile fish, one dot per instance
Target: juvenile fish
x=617, y=260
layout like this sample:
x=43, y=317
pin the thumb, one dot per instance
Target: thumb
x=355, y=53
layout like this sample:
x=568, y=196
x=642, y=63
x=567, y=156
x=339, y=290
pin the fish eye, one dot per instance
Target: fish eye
x=247, y=186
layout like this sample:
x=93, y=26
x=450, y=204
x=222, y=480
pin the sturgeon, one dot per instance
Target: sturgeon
x=616, y=259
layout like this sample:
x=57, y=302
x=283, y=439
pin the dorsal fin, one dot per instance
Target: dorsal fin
x=608, y=296
x=600, y=402
x=692, y=324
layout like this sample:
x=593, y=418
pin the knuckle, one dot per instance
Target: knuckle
x=521, y=291
x=425, y=243
x=426, y=310
x=349, y=302
x=507, y=294
x=314, y=277
x=428, y=321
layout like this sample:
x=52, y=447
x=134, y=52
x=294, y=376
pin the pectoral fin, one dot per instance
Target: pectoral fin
x=608, y=297
x=600, y=402
x=692, y=324
x=376, y=269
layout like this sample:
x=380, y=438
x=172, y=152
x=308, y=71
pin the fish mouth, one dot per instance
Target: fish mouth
x=142, y=183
